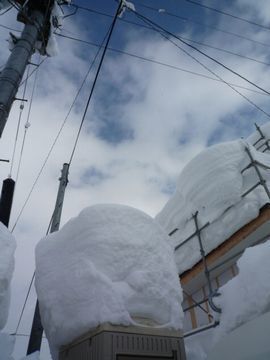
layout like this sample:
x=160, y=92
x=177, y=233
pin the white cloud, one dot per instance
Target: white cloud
x=171, y=116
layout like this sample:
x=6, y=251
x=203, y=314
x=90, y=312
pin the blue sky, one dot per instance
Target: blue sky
x=145, y=122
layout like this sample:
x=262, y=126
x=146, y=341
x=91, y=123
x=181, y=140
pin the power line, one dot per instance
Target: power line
x=58, y=134
x=29, y=289
x=203, y=65
x=18, y=125
x=6, y=11
x=95, y=81
x=184, y=38
x=77, y=138
x=27, y=123
x=228, y=14
x=157, y=62
x=175, y=16
x=152, y=23
x=33, y=71
x=9, y=28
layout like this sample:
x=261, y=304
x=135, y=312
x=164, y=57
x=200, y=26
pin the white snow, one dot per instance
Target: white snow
x=243, y=299
x=34, y=356
x=112, y=264
x=7, y=249
x=126, y=5
x=6, y=346
x=212, y=184
x=246, y=296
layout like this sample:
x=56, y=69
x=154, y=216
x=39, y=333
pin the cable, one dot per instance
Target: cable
x=29, y=290
x=33, y=71
x=76, y=141
x=24, y=304
x=9, y=28
x=27, y=124
x=95, y=81
x=145, y=19
x=58, y=135
x=6, y=11
x=228, y=14
x=199, y=43
x=175, y=16
x=157, y=62
x=18, y=126
x=204, y=66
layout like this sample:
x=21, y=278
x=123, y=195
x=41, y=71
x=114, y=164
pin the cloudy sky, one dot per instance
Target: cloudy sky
x=145, y=120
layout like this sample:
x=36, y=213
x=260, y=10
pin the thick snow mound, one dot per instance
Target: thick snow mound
x=111, y=264
x=213, y=184
x=6, y=346
x=7, y=249
x=247, y=295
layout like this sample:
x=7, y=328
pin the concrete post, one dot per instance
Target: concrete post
x=12, y=74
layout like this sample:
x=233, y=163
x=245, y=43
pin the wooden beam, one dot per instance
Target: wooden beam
x=227, y=245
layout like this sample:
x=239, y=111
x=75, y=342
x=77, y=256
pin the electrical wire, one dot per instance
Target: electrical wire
x=155, y=25
x=228, y=14
x=175, y=16
x=6, y=11
x=33, y=71
x=29, y=290
x=18, y=125
x=201, y=44
x=58, y=134
x=9, y=28
x=94, y=82
x=75, y=144
x=204, y=66
x=136, y=56
x=27, y=124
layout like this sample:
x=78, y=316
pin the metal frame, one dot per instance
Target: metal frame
x=253, y=164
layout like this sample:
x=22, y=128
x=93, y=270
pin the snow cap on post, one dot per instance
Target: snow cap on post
x=111, y=264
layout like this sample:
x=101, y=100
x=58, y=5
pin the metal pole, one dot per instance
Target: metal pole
x=6, y=200
x=37, y=328
x=12, y=74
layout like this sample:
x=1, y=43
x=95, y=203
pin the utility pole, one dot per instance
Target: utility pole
x=37, y=328
x=36, y=16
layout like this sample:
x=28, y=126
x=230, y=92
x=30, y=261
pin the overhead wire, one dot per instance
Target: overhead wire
x=6, y=11
x=143, y=58
x=33, y=71
x=186, y=19
x=228, y=14
x=58, y=134
x=29, y=290
x=18, y=125
x=95, y=81
x=152, y=23
x=109, y=34
x=199, y=62
x=27, y=124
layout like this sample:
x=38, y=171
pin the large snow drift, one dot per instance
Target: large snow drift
x=246, y=296
x=7, y=249
x=213, y=184
x=111, y=264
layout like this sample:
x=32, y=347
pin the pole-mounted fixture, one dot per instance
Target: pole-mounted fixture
x=35, y=14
